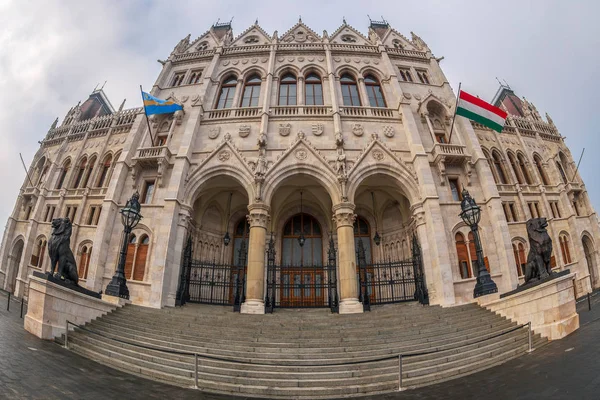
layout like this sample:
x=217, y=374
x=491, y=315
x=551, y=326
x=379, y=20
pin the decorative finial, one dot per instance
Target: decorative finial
x=344, y=20
x=55, y=123
x=103, y=85
x=256, y=22
x=300, y=18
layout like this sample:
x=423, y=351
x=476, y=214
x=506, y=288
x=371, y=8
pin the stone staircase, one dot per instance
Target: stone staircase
x=302, y=353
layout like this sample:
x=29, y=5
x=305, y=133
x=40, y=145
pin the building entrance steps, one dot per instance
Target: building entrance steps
x=301, y=353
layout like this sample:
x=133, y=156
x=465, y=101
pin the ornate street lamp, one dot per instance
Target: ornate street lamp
x=227, y=238
x=301, y=238
x=376, y=238
x=130, y=216
x=471, y=215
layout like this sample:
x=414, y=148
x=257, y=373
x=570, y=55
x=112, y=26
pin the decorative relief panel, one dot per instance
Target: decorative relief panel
x=285, y=129
x=244, y=130
x=378, y=155
x=224, y=155
x=358, y=129
x=388, y=131
x=213, y=133
x=318, y=129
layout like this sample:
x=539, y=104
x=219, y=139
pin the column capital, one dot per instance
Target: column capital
x=343, y=214
x=258, y=215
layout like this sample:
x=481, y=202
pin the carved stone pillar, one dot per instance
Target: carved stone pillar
x=258, y=219
x=343, y=215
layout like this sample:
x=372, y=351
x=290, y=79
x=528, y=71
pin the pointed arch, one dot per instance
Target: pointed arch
x=540, y=169
x=374, y=91
x=63, y=172
x=251, y=90
x=226, y=92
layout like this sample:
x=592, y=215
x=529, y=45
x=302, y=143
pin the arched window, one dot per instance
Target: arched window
x=565, y=248
x=80, y=173
x=524, y=169
x=141, y=256
x=37, y=255
x=130, y=256
x=362, y=232
x=491, y=165
x=312, y=251
x=63, y=174
x=563, y=176
x=473, y=254
x=88, y=173
x=225, y=99
x=349, y=91
x=84, y=262
x=104, y=172
x=251, y=92
x=499, y=168
x=540, y=169
x=195, y=77
x=520, y=259
x=240, y=240
x=514, y=165
x=464, y=265
x=287, y=90
x=313, y=90
x=374, y=92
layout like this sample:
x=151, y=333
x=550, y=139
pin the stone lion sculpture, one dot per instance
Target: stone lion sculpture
x=59, y=250
x=540, y=250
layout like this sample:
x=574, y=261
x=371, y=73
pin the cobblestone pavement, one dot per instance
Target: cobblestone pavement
x=31, y=368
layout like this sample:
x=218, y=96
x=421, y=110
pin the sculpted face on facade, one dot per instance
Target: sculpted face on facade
x=338, y=116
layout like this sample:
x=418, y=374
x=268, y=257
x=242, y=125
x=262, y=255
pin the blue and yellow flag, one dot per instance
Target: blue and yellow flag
x=153, y=105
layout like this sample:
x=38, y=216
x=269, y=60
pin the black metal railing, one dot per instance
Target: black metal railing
x=210, y=282
x=10, y=297
x=391, y=281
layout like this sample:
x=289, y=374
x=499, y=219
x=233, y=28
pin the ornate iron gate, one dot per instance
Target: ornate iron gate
x=301, y=286
x=392, y=281
x=209, y=282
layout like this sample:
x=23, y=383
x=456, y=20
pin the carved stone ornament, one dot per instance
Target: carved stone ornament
x=301, y=154
x=213, y=133
x=318, y=129
x=378, y=155
x=224, y=155
x=285, y=129
x=300, y=59
x=344, y=219
x=358, y=129
x=388, y=131
x=258, y=219
x=301, y=134
x=417, y=96
x=244, y=130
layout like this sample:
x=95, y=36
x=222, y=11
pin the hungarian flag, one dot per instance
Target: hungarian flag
x=481, y=112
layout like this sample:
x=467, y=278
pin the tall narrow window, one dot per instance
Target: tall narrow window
x=63, y=174
x=80, y=172
x=423, y=78
x=130, y=256
x=562, y=172
x=540, y=168
x=178, y=79
x=84, y=262
x=499, y=168
x=104, y=173
x=287, y=90
x=455, y=189
x=227, y=92
x=37, y=256
x=313, y=90
x=139, y=269
x=349, y=91
x=513, y=164
x=463, y=256
x=374, y=92
x=564, y=248
x=251, y=91
x=524, y=170
x=195, y=77
x=491, y=165
x=148, y=192
x=405, y=74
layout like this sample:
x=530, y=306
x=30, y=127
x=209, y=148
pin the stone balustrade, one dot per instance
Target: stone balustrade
x=284, y=111
x=226, y=113
x=368, y=112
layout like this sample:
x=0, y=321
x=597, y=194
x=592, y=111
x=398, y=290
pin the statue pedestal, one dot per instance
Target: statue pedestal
x=50, y=305
x=550, y=306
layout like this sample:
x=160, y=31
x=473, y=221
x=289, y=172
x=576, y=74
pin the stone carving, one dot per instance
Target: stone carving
x=318, y=129
x=378, y=155
x=301, y=135
x=261, y=164
x=340, y=163
x=344, y=219
x=339, y=139
x=388, y=131
x=358, y=129
x=301, y=154
x=538, y=260
x=213, y=133
x=244, y=130
x=285, y=129
x=262, y=140
x=300, y=59
x=183, y=44
x=59, y=250
x=224, y=156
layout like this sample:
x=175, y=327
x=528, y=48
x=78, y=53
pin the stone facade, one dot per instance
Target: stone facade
x=363, y=132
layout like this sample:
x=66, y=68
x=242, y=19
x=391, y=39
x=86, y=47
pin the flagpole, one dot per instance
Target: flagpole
x=455, y=108
x=579, y=162
x=147, y=121
x=26, y=173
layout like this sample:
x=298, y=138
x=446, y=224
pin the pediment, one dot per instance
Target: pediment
x=254, y=35
x=206, y=41
x=346, y=34
x=394, y=39
x=300, y=33
x=377, y=153
x=224, y=154
x=301, y=152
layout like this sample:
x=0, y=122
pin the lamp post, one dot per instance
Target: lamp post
x=301, y=238
x=376, y=238
x=227, y=238
x=130, y=216
x=471, y=215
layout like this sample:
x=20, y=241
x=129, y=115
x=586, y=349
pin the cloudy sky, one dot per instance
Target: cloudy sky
x=53, y=53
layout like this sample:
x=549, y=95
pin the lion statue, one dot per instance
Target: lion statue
x=59, y=250
x=538, y=260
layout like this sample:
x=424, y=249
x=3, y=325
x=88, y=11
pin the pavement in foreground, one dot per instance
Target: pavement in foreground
x=31, y=368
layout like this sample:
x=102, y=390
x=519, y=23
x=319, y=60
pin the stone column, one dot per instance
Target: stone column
x=258, y=219
x=344, y=218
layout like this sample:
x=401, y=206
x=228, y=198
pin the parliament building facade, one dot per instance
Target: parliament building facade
x=341, y=140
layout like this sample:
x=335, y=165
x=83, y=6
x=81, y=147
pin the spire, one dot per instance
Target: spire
x=122, y=105
x=549, y=119
x=56, y=123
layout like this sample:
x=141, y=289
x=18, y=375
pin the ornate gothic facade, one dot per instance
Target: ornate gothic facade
x=332, y=136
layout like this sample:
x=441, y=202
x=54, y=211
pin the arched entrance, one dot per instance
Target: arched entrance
x=588, y=250
x=14, y=260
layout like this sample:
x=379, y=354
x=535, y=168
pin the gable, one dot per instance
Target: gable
x=394, y=39
x=346, y=34
x=207, y=41
x=254, y=35
x=300, y=33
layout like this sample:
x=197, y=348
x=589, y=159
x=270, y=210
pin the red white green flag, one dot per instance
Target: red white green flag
x=477, y=110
